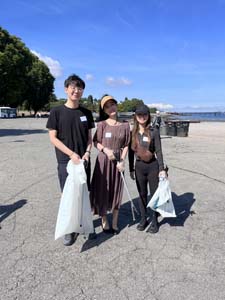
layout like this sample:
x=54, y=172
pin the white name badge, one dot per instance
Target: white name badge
x=83, y=118
x=145, y=139
x=108, y=134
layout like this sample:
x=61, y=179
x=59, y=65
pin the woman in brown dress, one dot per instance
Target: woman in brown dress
x=111, y=139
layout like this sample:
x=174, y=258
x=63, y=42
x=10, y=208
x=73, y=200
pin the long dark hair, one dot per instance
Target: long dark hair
x=135, y=130
x=102, y=115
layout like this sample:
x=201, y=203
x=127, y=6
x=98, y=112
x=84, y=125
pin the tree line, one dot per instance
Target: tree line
x=128, y=105
x=26, y=81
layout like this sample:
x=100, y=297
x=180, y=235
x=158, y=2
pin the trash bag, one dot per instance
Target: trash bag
x=74, y=213
x=162, y=201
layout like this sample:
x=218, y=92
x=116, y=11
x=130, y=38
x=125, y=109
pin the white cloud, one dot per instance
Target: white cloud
x=89, y=77
x=54, y=66
x=118, y=81
x=161, y=106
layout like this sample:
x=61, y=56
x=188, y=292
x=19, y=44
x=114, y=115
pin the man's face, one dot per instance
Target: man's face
x=74, y=92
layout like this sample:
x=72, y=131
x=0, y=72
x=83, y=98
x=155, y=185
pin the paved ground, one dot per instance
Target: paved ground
x=185, y=260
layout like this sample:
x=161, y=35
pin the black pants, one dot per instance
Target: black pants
x=146, y=174
x=62, y=174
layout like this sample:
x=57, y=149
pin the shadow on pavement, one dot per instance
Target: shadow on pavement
x=6, y=210
x=182, y=205
x=125, y=219
x=12, y=132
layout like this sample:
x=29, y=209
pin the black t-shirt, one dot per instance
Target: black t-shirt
x=72, y=125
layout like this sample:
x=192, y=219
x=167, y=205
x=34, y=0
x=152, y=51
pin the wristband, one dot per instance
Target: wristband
x=88, y=151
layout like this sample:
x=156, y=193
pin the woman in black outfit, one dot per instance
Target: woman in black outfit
x=146, y=147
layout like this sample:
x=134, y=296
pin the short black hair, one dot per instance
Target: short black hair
x=73, y=78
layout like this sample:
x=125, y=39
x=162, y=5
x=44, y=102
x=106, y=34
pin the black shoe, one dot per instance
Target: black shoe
x=142, y=225
x=107, y=231
x=69, y=239
x=154, y=227
x=115, y=231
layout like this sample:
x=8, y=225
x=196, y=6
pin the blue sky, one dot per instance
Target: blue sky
x=170, y=53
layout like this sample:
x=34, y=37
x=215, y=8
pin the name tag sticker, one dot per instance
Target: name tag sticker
x=108, y=134
x=83, y=118
x=145, y=139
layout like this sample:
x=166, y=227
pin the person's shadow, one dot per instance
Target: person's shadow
x=125, y=219
x=14, y=132
x=182, y=205
x=6, y=210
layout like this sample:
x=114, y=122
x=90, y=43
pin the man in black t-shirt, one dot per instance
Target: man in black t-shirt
x=70, y=132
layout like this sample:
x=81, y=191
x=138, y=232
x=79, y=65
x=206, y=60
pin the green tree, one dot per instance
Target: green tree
x=90, y=99
x=15, y=61
x=129, y=105
x=56, y=103
x=39, y=86
x=96, y=103
x=52, y=98
x=153, y=110
x=88, y=102
x=25, y=81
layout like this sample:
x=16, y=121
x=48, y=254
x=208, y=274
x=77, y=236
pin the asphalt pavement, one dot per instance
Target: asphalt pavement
x=184, y=260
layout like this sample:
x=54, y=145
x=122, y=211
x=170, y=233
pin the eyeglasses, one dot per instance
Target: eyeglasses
x=74, y=87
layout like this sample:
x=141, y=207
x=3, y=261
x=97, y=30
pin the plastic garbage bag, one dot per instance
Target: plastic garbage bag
x=162, y=201
x=74, y=213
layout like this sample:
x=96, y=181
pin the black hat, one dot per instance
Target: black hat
x=142, y=110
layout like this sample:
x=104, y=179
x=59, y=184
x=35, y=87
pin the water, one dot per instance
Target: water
x=204, y=116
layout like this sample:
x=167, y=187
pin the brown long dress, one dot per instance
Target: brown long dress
x=107, y=185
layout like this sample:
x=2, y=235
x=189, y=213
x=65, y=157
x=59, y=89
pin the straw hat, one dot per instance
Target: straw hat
x=106, y=99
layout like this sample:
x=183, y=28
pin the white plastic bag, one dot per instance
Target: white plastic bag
x=162, y=201
x=74, y=213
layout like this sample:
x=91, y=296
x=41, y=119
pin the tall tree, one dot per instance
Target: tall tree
x=15, y=61
x=24, y=79
x=39, y=86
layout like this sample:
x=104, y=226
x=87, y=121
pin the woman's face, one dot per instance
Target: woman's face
x=142, y=118
x=110, y=108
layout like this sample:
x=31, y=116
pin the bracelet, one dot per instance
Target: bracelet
x=88, y=151
x=122, y=160
x=71, y=155
x=102, y=150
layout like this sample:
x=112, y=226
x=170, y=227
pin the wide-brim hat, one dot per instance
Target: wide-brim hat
x=142, y=110
x=106, y=99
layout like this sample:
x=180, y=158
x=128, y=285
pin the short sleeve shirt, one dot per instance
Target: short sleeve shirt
x=72, y=126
